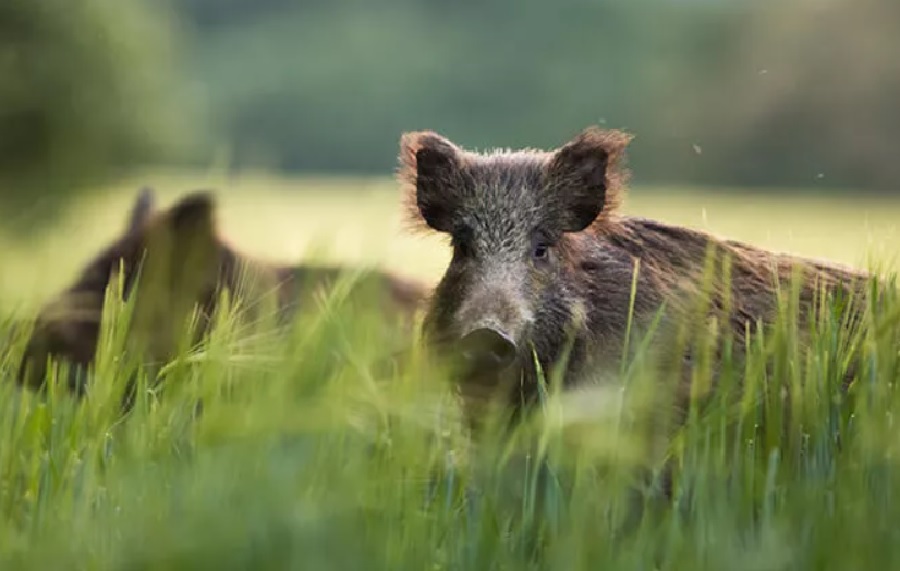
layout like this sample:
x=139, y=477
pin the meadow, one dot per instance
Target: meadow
x=359, y=220
x=307, y=456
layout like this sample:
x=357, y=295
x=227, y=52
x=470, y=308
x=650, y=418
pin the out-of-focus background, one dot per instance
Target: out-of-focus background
x=770, y=121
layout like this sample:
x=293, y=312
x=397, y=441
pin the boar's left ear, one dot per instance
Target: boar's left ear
x=584, y=179
x=143, y=207
x=430, y=172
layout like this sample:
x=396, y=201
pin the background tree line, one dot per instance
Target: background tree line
x=725, y=92
x=730, y=92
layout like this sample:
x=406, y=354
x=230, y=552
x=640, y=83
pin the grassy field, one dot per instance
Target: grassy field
x=360, y=221
x=307, y=456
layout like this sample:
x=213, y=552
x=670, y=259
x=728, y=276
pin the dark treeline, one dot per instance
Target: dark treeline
x=799, y=93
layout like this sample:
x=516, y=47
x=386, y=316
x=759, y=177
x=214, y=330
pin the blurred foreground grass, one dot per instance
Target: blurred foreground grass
x=307, y=456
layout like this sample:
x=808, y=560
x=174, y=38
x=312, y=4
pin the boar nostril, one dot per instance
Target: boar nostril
x=488, y=348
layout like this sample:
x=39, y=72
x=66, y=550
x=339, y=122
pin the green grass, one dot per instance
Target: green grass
x=308, y=455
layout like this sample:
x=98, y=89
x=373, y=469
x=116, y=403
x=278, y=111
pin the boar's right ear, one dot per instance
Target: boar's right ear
x=183, y=237
x=430, y=171
x=584, y=179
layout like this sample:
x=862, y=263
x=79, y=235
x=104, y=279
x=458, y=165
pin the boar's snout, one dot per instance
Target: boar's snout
x=487, y=348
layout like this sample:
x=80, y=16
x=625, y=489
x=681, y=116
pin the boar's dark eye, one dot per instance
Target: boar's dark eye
x=540, y=246
x=540, y=250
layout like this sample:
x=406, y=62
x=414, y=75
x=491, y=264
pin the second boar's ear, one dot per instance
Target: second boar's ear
x=182, y=239
x=430, y=170
x=180, y=269
x=582, y=177
x=143, y=207
x=194, y=213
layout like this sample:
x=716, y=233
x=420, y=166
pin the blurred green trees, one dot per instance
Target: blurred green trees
x=86, y=89
x=757, y=92
x=725, y=92
x=805, y=95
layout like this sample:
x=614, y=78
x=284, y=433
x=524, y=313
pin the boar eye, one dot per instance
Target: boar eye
x=540, y=250
x=540, y=246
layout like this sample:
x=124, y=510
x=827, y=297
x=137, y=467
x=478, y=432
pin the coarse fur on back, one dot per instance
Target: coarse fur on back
x=544, y=260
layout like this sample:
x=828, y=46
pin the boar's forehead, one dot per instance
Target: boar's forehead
x=503, y=204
